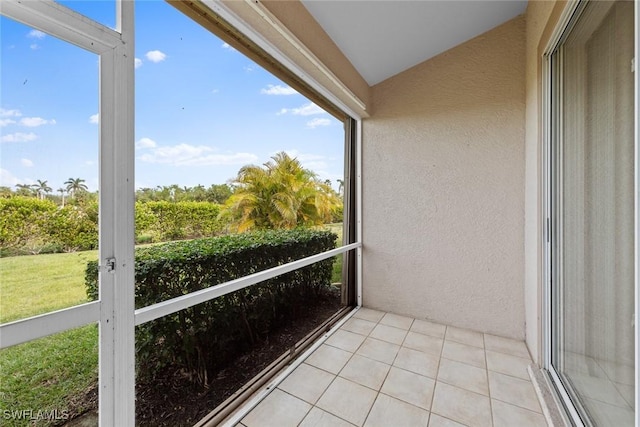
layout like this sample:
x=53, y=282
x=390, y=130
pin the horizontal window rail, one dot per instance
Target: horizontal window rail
x=63, y=23
x=173, y=305
x=35, y=327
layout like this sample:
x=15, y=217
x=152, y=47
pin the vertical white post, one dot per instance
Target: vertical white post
x=636, y=319
x=358, y=173
x=117, y=342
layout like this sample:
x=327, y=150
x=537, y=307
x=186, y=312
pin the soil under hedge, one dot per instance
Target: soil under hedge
x=172, y=400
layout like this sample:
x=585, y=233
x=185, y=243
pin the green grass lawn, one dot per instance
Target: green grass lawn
x=37, y=284
x=55, y=372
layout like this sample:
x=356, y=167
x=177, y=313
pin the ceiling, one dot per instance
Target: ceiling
x=383, y=38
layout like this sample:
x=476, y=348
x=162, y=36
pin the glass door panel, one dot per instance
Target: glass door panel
x=593, y=214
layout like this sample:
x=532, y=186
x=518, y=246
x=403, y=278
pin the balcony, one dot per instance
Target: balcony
x=382, y=369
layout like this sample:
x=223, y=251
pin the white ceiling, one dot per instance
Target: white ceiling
x=383, y=38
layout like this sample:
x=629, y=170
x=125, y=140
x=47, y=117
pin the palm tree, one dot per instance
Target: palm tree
x=282, y=194
x=24, y=190
x=42, y=189
x=75, y=185
x=61, y=191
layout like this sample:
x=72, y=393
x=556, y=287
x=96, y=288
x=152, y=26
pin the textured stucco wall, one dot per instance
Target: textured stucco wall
x=443, y=187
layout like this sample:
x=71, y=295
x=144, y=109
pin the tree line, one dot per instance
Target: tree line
x=280, y=194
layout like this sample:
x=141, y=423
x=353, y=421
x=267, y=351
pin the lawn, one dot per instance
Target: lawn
x=37, y=284
x=56, y=372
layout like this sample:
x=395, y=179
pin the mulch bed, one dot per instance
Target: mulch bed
x=172, y=400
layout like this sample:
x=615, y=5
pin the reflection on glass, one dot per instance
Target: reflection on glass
x=593, y=265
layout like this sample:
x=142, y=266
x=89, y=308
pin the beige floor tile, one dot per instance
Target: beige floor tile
x=506, y=345
x=307, y=383
x=465, y=336
x=388, y=411
x=464, y=376
x=606, y=415
x=428, y=328
x=388, y=334
x=369, y=314
x=397, y=321
x=417, y=361
x=409, y=387
x=365, y=371
x=359, y=326
x=378, y=350
x=319, y=418
x=507, y=364
x=347, y=400
x=513, y=390
x=278, y=409
x=505, y=415
x=461, y=405
x=424, y=343
x=436, y=420
x=331, y=359
x=464, y=353
x=345, y=340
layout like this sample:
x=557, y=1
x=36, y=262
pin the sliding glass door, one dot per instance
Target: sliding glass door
x=592, y=213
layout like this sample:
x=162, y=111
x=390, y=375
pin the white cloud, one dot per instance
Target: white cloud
x=228, y=46
x=146, y=143
x=314, y=123
x=248, y=68
x=192, y=155
x=6, y=122
x=156, y=56
x=19, y=137
x=278, y=90
x=94, y=119
x=10, y=113
x=309, y=109
x=214, y=91
x=34, y=46
x=26, y=163
x=137, y=63
x=7, y=179
x=36, y=34
x=32, y=122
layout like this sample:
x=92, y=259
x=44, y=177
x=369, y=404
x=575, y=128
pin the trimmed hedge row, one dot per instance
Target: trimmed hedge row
x=164, y=221
x=203, y=338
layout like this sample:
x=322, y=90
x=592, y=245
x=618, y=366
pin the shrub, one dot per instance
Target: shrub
x=202, y=338
x=180, y=220
x=23, y=223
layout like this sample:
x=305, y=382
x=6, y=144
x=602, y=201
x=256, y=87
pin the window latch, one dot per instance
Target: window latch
x=110, y=265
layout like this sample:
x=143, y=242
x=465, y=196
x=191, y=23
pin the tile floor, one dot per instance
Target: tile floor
x=381, y=369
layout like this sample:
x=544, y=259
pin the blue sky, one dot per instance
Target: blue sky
x=203, y=110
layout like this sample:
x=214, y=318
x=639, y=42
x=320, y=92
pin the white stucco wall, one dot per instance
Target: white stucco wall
x=443, y=187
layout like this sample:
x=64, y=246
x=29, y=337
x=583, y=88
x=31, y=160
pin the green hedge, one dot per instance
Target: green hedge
x=163, y=221
x=203, y=338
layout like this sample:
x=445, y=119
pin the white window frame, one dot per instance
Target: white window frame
x=547, y=98
x=115, y=309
